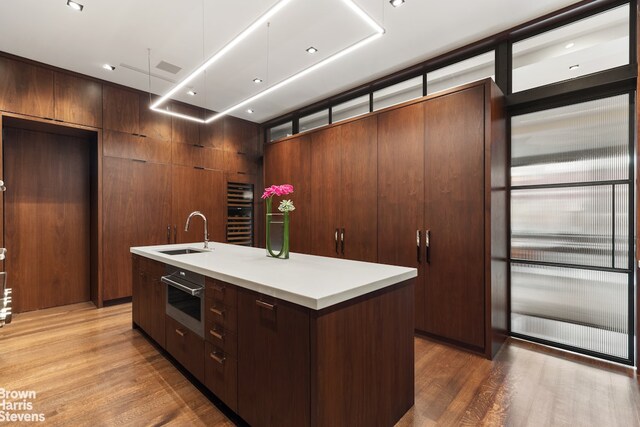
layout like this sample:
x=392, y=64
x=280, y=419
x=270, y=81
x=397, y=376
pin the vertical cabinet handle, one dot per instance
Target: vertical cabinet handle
x=175, y=234
x=168, y=234
x=427, y=245
x=342, y=241
x=418, y=244
x=335, y=237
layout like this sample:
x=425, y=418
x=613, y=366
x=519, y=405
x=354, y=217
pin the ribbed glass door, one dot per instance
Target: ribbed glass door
x=572, y=227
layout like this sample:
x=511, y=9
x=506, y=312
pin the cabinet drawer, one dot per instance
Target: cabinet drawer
x=185, y=346
x=223, y=339
x=220, y=314
x=150, y=267
x=197, y=155
x=221, y=292
x=128, y=146
x=221, y=375
x=240, y=163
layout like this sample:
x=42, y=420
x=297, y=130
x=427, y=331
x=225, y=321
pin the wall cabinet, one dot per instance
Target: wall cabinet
x=128, y=111
x=197, y=189
x=287, y=162
x=77, y=100
x=136, y=212
x=344, y=190
x=26, y=89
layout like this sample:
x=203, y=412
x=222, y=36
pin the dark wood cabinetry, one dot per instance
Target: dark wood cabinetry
x=137, y=211
x=344, y=189
x=26, y=89
x=149, y=298
x=401, y=194
x=121, y=109
x=186, y=346
x=77, y=100
x=135, y=147
x=287, y=162
x=154, y=125
x=197, y=189
x=273, y=361
x=184, y=130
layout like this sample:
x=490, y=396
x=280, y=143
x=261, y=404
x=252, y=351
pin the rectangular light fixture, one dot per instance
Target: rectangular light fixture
x=378, y=32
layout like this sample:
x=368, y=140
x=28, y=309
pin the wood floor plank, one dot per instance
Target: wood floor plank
x=90, y=368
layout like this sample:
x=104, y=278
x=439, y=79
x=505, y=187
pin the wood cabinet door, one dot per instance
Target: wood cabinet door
x=136, y=212
x=325, y=192
x=358, y=190
x=120, y=109
x=196, y=189
x=184, y=130
x=78, y=100
x=273, y=362
x=287, y=162
x=26, y=88
x=401, y=194
x=240, y=136
x=454, y=214
x=153, y=124
x=212, y=134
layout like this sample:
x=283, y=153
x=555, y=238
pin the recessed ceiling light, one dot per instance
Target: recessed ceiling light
x=257, y=80
x=191, y=92
x=574, y=67
x=250, y=111
x=396, y=3
x=75, y=6
x=312, y=50
x=569, y=45
x=108, y=67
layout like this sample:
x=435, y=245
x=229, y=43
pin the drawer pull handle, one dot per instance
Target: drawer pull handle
x=219, y=289
x=219, y=359
x=217, y=311
x=179, y=332
x=266, y=305
x=216, y=334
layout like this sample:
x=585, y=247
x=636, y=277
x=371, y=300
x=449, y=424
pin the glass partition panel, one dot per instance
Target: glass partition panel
x=467, y=71
x=352, y=108
x=281, y=131
x=315, y=120
x=398, y=93
x=592, y=44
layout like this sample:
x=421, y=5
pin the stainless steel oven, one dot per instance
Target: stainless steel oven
x=185, y=298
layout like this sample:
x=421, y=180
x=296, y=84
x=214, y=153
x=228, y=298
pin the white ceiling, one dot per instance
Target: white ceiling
x=187, y=32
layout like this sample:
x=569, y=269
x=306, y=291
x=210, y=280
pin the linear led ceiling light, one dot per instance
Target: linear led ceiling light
x=378, y=32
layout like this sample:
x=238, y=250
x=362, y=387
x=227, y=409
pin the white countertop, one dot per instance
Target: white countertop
x=311, y=281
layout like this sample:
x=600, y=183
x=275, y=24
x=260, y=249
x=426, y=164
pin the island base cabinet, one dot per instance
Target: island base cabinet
x=221, y=375
x=186, y=347
x=273, y=361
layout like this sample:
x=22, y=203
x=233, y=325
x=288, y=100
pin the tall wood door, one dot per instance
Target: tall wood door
x=136, y=212
x=358, y=185
x=454, y=214
x=325, y=192
x=47, y=218
x=401, y=195
x=197, y=189
x=287, y=162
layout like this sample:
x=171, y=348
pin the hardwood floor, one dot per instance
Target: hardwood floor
x=88, y=367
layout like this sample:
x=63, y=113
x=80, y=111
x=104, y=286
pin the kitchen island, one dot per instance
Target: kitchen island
x=309, y=341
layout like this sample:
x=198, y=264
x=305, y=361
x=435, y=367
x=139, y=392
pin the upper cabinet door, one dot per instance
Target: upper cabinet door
x=153, y=124
x=212, y=134
x=78, y=100
x=325, y=192
x=26, y=89
x=359, y=152
x=184, y=130
x=454, y=214
x=287, y=162
x=240, y=136
x=121, y=109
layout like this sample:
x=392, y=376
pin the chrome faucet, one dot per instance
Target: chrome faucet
x=206, y=232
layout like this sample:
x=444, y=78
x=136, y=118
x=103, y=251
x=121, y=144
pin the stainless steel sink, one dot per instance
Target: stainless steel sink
x=182, y=251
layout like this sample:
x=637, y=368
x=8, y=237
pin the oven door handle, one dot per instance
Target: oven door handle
x=191, y=291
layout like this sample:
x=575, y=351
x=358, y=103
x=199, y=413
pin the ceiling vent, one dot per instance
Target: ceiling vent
x=169, y=68
x=146, y=73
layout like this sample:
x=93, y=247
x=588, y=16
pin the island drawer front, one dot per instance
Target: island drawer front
x=220, y=314
x=221, y=292
x=185, y=346
x=150, y=267
x=221, y=338
x=221, y=375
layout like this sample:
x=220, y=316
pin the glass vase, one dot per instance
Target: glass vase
x=273, y=240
